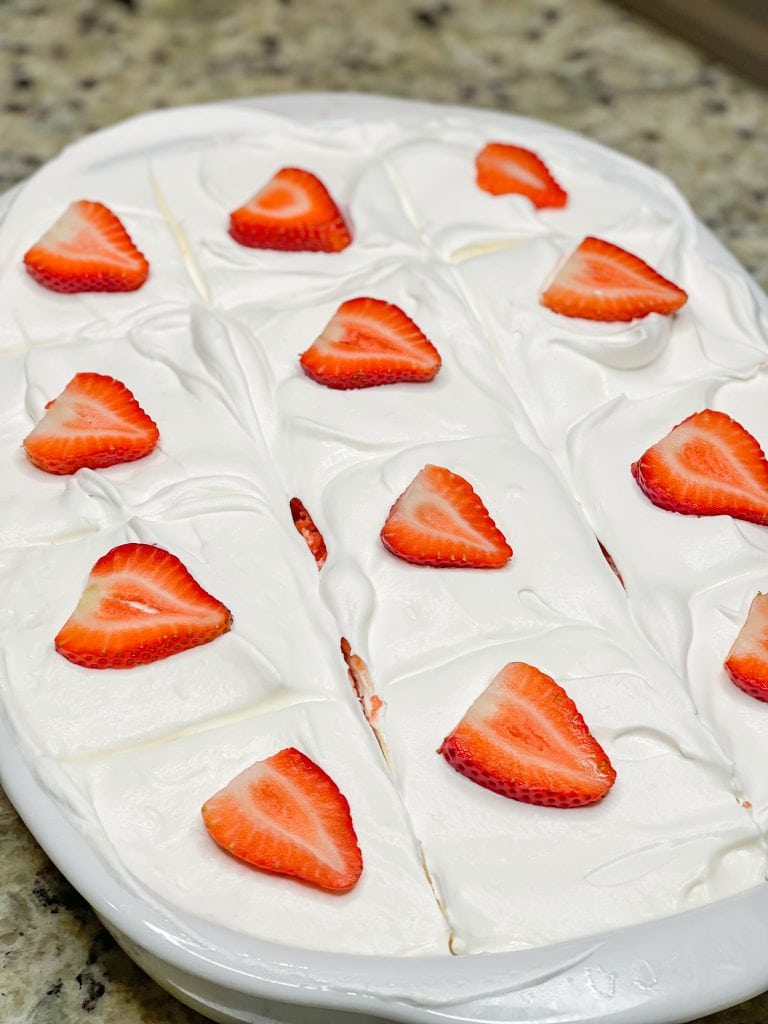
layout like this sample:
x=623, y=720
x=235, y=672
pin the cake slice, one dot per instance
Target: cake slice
x=367, y=225
x=690, y=579
x=461, y=219
x=249, y=559
x=667, y=837
x=563, y=367
x=106, y=171
x=555, y=576
x=142, y=810
x=210, y=441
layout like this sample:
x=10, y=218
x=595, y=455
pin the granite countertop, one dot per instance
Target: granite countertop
x=69, y=68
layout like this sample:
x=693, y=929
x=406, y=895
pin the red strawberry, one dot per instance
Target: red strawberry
x=502, y=169
x=87, y=250
x=439, y=520
x=369, y=342
x=360, y=678
x=747, y=661
x=600, y=281
x=708, y=465
x=524, y=738
x=285, y=815
x=140, y=604
x=293, y=211
x=609, y=559
x=304, y=523
x=375, y=707
x=95, y=422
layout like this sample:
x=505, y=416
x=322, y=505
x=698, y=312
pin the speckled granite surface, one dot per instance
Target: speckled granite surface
x=68, y=68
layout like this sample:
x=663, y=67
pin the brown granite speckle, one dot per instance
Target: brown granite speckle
x=57, y=964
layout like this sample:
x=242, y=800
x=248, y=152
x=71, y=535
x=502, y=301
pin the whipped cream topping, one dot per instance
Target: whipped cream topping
x=167, y=362
x=438, y=615
x=25, y=320
x=120, y=748
x=210, y=348
x=142, y=806
x=248, y=559
x=564, y=368
x=689, y=580
x=668, y=837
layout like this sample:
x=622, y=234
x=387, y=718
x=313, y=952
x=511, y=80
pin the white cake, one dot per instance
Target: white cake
x=542, y=414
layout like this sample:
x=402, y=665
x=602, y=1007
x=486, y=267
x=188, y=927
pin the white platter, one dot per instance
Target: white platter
x=665, y=972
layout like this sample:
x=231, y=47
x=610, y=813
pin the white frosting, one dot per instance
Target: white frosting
x=249, y=560
x=130, y=742
x=26, y=320
x=168, y=363
x=556, y=574
x=210, y=348
x=563, y=368
x=667, y=837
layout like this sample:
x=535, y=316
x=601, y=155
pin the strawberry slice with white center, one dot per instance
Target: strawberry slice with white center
x=293, y=211
x=601, y=281
x=708, y=465
x=440, y=521
x=524, y=738
x=370, y=342
x=87, y=250
x=747, y=661
x=94, y=423
x=503, y=169
x=140, y=604
x=304, y=523
x=287, y=816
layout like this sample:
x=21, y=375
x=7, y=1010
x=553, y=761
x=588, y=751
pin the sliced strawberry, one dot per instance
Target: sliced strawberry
x=304, y=523
x=502, y=169
x=708, y=465
x=293, y=211
x=360, y=678
x=438, y=520
x=375, y=707
x=524, y=738
x=609, y=559
x=87, y=250
x=747, y=661
x=600, y=281
x=95, y=422
x=370, y=342
x=285, y=815
x=140, y=604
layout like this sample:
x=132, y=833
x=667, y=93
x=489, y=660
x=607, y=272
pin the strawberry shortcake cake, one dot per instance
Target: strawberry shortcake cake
x=385, y=547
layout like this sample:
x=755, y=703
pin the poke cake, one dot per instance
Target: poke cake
x=385, y=532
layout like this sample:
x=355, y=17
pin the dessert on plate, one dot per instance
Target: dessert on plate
x=386, y=529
